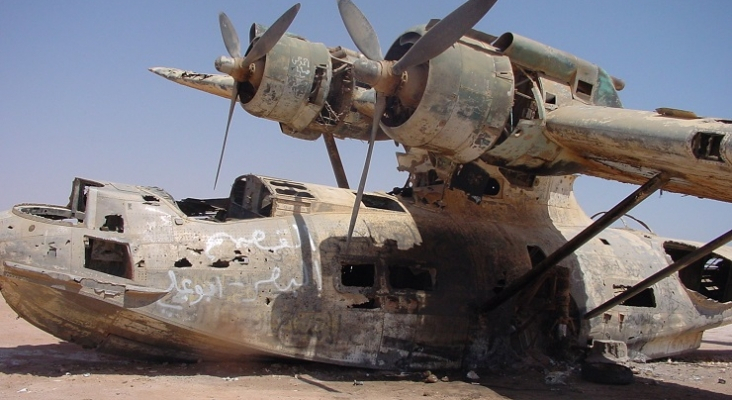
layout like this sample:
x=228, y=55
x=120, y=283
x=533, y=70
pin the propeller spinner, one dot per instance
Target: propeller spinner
x=241, y=68
x=385, y=76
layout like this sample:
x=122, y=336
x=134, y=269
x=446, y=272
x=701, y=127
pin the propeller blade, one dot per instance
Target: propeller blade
x=446, y=32
x=234, y=97
x=379, y=108
x=271, y=36
x=360, y=30
x=231, y=39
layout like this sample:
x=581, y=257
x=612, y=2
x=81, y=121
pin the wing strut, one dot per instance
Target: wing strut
x=578, y=241
x=335, y=161
x=655, y=278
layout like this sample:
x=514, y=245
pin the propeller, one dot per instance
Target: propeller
x=241, y=68
x=386, y=75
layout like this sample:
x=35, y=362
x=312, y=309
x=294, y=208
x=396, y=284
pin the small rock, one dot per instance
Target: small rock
x=555, y=378
x=23, y=390
x=722, y=381
x=87, y=375
x=357, y=383
x=432, y=378
x=472, y=375
x=445, y=379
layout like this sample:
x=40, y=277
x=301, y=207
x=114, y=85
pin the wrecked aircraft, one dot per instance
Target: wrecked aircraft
x=483, y=254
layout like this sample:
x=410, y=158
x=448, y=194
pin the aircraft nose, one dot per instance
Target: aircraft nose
x=6, y=235
x=6, y=225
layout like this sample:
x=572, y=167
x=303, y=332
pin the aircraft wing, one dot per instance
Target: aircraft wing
x=631, y=146
x=625, y=145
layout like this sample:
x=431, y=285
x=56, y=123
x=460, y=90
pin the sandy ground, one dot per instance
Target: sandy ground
x=35, y=365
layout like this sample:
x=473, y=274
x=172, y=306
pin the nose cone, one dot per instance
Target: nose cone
x=224, y=64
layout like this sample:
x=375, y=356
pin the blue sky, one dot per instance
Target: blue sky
x=76, y=98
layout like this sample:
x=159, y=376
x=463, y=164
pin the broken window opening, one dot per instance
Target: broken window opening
x=706, y=146
x=381, y=202
x=113, y=223
x=646, y=298
x=79, y=192
x=358, y=275
x=710, y=276
x=249, y=198
x=108, y=257
x=584, y=88
x=411, y=277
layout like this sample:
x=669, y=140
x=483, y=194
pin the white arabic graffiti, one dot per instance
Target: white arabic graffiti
x=257, y=239
x=185, y=294
x=292, y=285
x=301, y=67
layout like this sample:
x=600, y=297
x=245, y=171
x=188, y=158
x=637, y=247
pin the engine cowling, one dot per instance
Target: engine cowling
x=293, y=85
x=309, y=89
x=459, y=104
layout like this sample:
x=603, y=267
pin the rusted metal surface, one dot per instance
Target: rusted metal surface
x=662, y=274
x=578, y=241
x=262, y=273
x=633, y=144
x=465, y=102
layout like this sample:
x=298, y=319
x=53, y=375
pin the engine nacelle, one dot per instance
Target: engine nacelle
x=294, y=83
x=296, y=87
x=463, y=104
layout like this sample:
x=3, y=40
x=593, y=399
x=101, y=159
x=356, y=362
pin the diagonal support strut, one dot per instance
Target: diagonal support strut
x=335, y=161
x=578, y=241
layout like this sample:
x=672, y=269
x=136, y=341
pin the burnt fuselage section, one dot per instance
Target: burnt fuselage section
x=264, y=272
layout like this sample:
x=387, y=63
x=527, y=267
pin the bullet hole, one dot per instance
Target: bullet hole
x=183, y=263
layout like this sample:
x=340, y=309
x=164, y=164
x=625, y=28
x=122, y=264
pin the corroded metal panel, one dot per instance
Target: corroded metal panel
x=633, y=144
